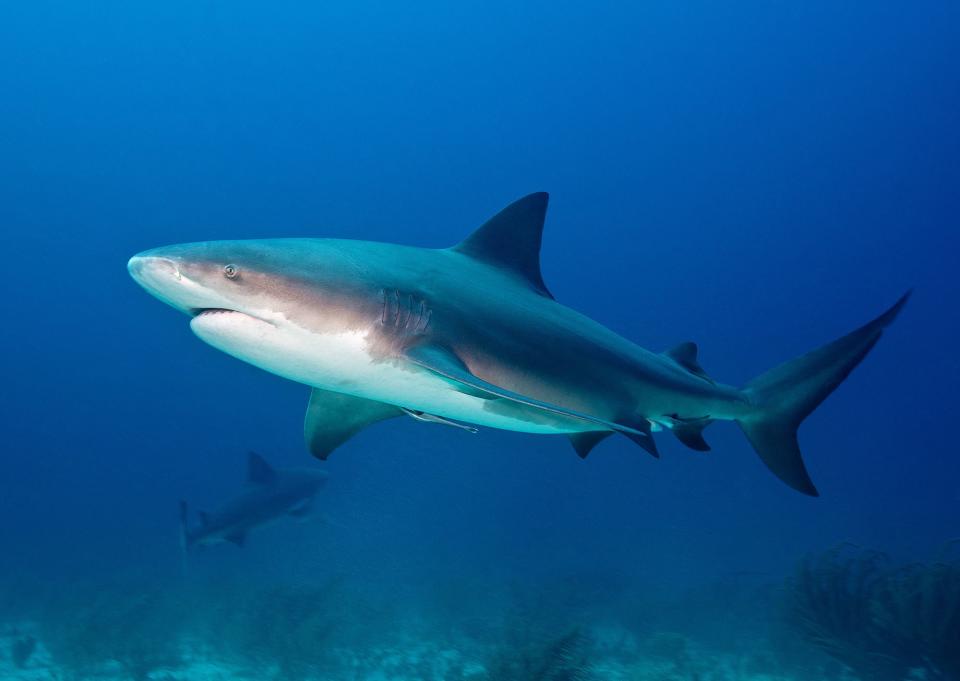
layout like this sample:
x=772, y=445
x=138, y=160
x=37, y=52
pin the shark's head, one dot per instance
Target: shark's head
x=263, y=301
x=205, y=277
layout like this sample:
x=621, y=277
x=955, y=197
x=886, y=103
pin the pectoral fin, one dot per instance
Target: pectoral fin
x=302, y=510
x=333, y=418
x=447, y=365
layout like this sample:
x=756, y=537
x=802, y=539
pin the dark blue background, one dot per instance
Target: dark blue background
x=759, y=178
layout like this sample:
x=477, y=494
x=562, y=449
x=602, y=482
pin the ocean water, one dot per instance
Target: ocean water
x=757, y=177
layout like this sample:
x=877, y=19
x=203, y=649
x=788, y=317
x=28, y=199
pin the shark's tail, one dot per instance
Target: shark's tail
x=784, y=396
x=184, y=535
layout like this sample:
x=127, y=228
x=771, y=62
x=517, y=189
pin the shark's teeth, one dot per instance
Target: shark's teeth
x=197, y=312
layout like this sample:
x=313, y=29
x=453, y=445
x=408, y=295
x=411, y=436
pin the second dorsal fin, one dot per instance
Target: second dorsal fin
x=511, y=240
x=685, y=354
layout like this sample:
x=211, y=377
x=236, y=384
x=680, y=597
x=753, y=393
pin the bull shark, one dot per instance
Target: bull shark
x=470, y=335
x=269, y=495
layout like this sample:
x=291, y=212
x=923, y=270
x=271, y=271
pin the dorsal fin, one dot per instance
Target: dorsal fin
x=685, y=354
x=258, y=470
x=511, y=240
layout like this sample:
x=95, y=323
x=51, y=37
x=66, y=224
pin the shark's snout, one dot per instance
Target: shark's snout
x=162, y=275
x=148, y=269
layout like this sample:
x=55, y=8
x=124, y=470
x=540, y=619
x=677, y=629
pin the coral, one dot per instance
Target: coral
x=668, y=646
x=560, y=658
x=282, y=631
x=920, y=605
x=672, y=656
x=135, y=629
x=883, y=622
x=831, y=604
x=21, y=650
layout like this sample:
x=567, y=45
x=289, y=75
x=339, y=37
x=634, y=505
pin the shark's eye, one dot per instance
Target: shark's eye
x=230, y=271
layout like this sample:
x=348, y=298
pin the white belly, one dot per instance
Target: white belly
x=342, y=362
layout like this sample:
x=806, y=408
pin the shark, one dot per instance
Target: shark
x=268, y=495
x=470, y=336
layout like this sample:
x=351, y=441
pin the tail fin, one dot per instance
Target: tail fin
x=184, y=535
x=786, y=395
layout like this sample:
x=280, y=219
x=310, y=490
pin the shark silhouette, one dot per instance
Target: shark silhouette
x=269, y=495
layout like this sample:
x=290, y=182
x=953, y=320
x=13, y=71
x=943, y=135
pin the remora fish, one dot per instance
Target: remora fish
x=471, y=333
x=270, y=494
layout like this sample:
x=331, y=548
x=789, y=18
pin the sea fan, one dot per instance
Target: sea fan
x=920, y=605
x=21, y=650
x=558, y=659
x=879, y=620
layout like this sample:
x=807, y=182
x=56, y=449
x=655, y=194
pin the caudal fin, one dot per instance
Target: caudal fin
x=184, y=535
x=786, y=395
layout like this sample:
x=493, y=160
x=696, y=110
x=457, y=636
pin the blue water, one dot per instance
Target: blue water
x=759, y=178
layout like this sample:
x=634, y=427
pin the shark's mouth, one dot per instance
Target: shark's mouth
x=200, y=311
x=206, y=313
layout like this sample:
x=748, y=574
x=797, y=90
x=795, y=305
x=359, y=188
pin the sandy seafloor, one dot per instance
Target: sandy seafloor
x=421, y=660
x=607, y=654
